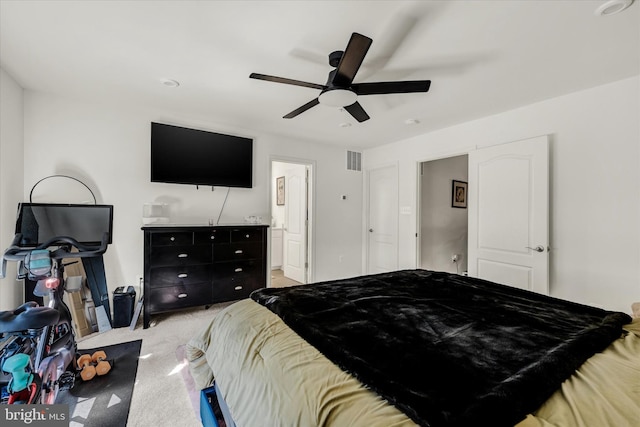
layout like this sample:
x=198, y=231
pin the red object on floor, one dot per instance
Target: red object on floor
x=27, y=395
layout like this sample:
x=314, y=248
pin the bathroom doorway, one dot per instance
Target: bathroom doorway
x=291, y=222
x=443, y=222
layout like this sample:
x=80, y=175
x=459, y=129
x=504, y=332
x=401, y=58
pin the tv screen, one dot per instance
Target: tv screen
x=39, y=222
x=189, y=156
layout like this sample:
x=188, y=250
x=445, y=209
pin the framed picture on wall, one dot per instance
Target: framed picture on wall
x=459, y=194
x=280, y=191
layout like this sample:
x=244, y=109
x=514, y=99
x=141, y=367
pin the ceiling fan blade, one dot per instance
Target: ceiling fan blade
x=357, y=112
x=391, y=87
x=286, y=81
x=302, y=109
x=351, y=59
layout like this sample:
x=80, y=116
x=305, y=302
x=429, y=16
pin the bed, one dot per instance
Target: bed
x=418, y=347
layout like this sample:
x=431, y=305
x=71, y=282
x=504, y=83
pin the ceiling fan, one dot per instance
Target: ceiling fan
x=340, y=91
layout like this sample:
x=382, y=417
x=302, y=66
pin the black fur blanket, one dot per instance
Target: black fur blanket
x=446, y=349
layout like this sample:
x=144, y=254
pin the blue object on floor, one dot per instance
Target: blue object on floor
x=207, y=401
x=214, y=411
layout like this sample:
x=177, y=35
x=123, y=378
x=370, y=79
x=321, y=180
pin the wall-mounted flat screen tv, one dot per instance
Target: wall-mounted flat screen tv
x=189, y=156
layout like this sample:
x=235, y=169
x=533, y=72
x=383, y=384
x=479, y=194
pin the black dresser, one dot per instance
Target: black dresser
x=188, y=266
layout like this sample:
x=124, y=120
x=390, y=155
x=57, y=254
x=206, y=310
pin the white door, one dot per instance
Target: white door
x=509, y=214
x=383, y=220
x=295, y=224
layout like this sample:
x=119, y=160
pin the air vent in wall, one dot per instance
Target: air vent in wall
x=354, y=161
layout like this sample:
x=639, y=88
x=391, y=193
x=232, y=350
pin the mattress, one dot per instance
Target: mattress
x=269, y=375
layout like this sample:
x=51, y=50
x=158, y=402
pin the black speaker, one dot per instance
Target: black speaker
x=124, y=301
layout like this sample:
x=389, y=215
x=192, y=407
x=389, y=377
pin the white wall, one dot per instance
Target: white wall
x=108, y=147
x=11, y=180
x=443, y=228
x=595, y=180
x=595, y=185
x=277, y=212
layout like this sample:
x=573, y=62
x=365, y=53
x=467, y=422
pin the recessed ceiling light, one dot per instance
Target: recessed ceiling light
x=411, y=122
x=612, y=7
x=170, y=83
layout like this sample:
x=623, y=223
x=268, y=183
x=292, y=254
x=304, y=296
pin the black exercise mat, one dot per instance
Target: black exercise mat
x=104, y=401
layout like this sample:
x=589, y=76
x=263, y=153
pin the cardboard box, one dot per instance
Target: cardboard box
x=73, y=297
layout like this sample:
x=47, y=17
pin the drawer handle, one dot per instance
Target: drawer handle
x=238, y=270
x=238, y=288
x=246, y=235
x=183, y=255
x=172, y=239
x=182, y=275
x=212, y=237
x=182, y=295
x=239, y=251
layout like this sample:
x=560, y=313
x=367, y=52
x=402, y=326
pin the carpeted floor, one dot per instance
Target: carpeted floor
x=160, y=396
x=192, y=389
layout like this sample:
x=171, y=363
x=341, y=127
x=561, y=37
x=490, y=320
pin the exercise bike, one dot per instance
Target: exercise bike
x=38, y=346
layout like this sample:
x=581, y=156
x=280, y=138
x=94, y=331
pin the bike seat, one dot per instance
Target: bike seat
x=28, y=316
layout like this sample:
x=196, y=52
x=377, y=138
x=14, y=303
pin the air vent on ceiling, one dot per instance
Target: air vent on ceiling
x=354, y=161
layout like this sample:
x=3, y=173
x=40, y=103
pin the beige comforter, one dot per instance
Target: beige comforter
x=270, y=376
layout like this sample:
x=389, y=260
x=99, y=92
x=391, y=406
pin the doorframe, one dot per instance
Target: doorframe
x=462, y=151
x=311, y=204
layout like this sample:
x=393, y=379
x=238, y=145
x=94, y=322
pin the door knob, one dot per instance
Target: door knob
x=537, y=248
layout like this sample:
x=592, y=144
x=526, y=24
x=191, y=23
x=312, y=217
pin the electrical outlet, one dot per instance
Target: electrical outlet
x=139, y=281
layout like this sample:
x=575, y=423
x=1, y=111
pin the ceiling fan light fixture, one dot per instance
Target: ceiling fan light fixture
x=612, y=7
x=337, y=97
x=340, y=91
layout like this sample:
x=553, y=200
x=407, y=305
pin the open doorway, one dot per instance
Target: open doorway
x=443, y=220
x=500, y=231
x=291, y=222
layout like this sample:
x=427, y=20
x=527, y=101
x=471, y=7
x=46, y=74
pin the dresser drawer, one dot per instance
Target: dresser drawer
x=237, y=251
x=239, y=270
x=180, y=255
x=182, y=296
x=172, y=239
x=172, y=276
x=237, y=279
x=211, y=236
x=232, y=290
x=246, y=235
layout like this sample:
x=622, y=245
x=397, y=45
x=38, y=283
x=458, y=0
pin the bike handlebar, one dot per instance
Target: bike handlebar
x=63, y=244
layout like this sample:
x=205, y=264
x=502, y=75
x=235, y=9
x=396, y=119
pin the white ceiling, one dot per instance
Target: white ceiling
x=483, y=57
